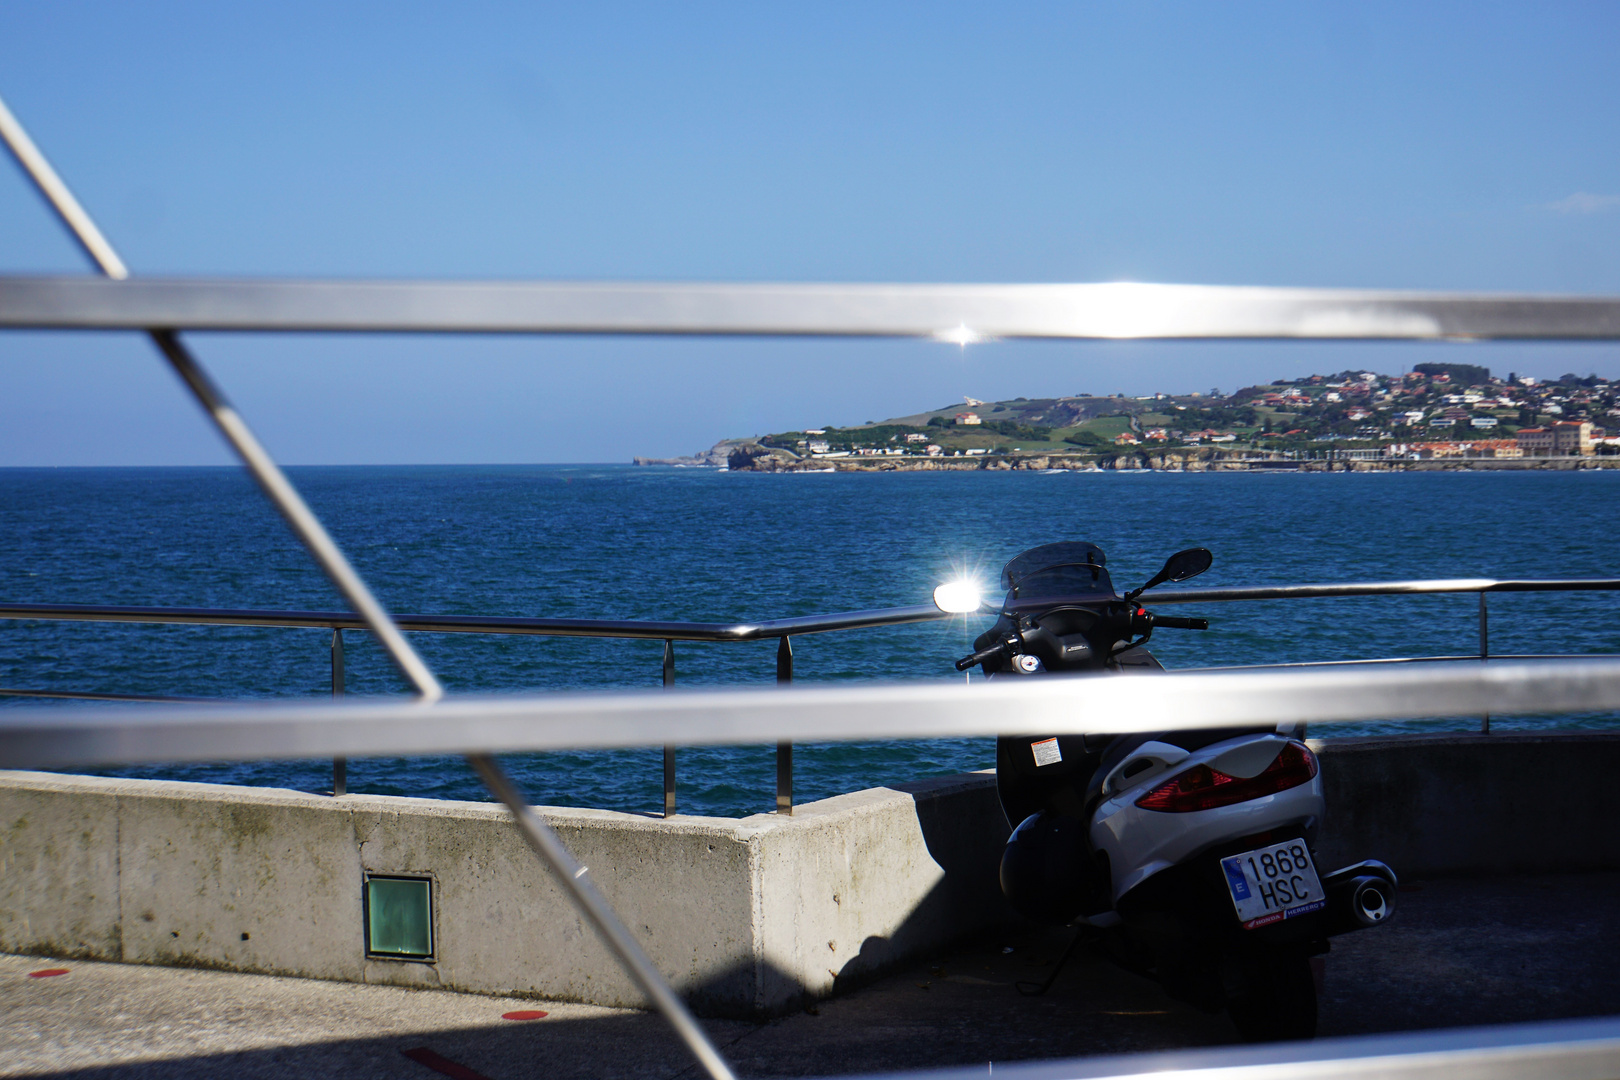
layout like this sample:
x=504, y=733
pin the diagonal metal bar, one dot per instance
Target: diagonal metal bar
x=954, y=313
x=299, y=516
x=56, y=193
x=320, y=544
x=305, y=525
x=577, y=881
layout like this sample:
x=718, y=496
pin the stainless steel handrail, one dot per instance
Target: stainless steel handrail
x=78, y=695
x=782, y=629
x=23, y=692
x=956, y=313
x=650, y=630
x=766, y=628
x=1561, y=1050
x=1379, y=588
x=338, y=621
x=828, y=712
x=1473, y=658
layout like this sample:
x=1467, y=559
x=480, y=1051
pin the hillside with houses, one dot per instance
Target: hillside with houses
x=1457, y=412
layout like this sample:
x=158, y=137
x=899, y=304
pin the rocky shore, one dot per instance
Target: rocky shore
x=751, y=457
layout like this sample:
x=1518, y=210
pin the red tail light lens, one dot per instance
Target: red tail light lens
x=1203, y=788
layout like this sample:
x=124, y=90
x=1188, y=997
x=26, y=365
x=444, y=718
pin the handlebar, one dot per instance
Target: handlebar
x=982, y=655
x=1141, y=622
x=1176, y=622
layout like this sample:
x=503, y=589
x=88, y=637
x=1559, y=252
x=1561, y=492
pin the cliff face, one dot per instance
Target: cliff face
x=714, y=457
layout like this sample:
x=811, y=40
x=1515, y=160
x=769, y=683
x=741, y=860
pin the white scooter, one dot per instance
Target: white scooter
x=1187, y=855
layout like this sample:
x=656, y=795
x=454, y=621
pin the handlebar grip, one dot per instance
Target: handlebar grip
x=980, y=656
x=1173, y=622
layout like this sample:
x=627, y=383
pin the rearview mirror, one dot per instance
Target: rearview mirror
x=1186, y=564
x=1178, y=567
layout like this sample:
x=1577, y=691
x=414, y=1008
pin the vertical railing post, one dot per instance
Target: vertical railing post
x=784, y=750
x=669, y=751
x=1484, y=651
x=340, y=766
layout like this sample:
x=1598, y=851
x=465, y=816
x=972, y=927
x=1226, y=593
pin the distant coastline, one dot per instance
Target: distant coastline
x=745, y=457
x=1438, y=417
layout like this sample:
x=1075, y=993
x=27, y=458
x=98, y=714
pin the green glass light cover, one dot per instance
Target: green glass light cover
x=399, y=917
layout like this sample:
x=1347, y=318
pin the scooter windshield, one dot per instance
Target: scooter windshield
x=1071, y=568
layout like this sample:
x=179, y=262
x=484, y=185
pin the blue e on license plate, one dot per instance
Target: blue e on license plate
x=1273, y=883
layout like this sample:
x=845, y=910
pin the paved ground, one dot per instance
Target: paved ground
x=1458, y=953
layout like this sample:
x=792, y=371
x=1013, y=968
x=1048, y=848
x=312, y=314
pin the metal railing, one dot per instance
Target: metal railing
x=1567, y=1050
x=959, y=314
x=783, y=630
x=1481, y=586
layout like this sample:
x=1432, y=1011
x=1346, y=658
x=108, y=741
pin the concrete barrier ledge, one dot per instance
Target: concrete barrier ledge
x=748, y=917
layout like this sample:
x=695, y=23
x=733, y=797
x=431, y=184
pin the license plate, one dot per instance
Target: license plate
x=1273, y=883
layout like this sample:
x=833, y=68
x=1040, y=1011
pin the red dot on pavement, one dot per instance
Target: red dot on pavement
x=523, y=1014
x=47, y=973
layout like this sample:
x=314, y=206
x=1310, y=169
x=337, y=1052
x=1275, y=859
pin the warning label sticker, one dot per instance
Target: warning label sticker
x=1046, y=752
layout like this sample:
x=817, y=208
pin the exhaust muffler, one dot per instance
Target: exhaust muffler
x=1360, y=896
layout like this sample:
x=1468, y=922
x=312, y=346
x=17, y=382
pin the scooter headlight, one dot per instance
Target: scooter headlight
x=958, y=597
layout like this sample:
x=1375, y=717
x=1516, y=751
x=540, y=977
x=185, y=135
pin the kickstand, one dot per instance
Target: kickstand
x=1034, y=989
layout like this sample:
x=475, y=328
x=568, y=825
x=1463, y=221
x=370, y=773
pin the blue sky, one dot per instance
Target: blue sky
x=1422, y=146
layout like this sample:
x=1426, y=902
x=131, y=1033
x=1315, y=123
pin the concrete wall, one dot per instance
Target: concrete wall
x=1435, y=805
x=747, y=917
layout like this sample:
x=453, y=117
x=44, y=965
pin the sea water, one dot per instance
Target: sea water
x=612, y=542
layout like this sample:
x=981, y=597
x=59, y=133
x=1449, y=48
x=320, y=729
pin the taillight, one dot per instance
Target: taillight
x=1204, y=788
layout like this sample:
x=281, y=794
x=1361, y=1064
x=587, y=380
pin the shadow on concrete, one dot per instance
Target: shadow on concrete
x=964, y=836
x=1462, y=953
x=963, y=830
x=629, y=1047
